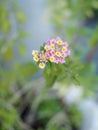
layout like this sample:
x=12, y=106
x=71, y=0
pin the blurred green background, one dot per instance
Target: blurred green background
x=31, y=99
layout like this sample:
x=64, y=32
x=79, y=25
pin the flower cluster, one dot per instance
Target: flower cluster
x=55, y=50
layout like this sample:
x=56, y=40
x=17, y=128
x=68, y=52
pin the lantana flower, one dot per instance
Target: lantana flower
x=54, y=50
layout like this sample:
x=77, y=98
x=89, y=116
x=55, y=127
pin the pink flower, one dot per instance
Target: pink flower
x=58, y=38
x=43, y=57
x=55, y=50
x=62, y=60
x=52, y=52
x=48, y=42
x=68, y=52
x=52, y=41
x=63, y=55
x=56, y=60
x=65, y=44
x=48, y=54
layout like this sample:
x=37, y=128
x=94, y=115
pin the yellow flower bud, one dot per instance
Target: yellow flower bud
x=58, y=54
x=42, y=65
x=52, y=47
x=52, y=58
x=47, y=48
x=36, y=58
x=64, y=49
x=34, y=53
x=59, y=42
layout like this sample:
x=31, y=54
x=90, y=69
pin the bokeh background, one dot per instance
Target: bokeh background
x=31, y=99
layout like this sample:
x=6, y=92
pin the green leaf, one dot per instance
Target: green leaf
x=48, y=108
x=22, y=49
x=9, y=54
x=23, y=34
x=21, y=17
x=6, y=26
x=41, y=48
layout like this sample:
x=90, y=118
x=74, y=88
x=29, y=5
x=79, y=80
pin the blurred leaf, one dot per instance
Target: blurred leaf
x=9, y=54
x=23, y=34
x=22, y=49
x=21, y=17
x=75, y=116
x=48, y=108
x=15, y=5
x=6, y=26
x=26, y=71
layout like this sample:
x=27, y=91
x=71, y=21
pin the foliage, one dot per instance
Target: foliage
x=71, y=19
x=12, y=74
x=67, y=72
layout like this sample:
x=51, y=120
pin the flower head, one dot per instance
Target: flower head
x=55, y=50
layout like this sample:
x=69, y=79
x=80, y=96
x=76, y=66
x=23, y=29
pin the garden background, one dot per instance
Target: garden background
x=34, y=99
